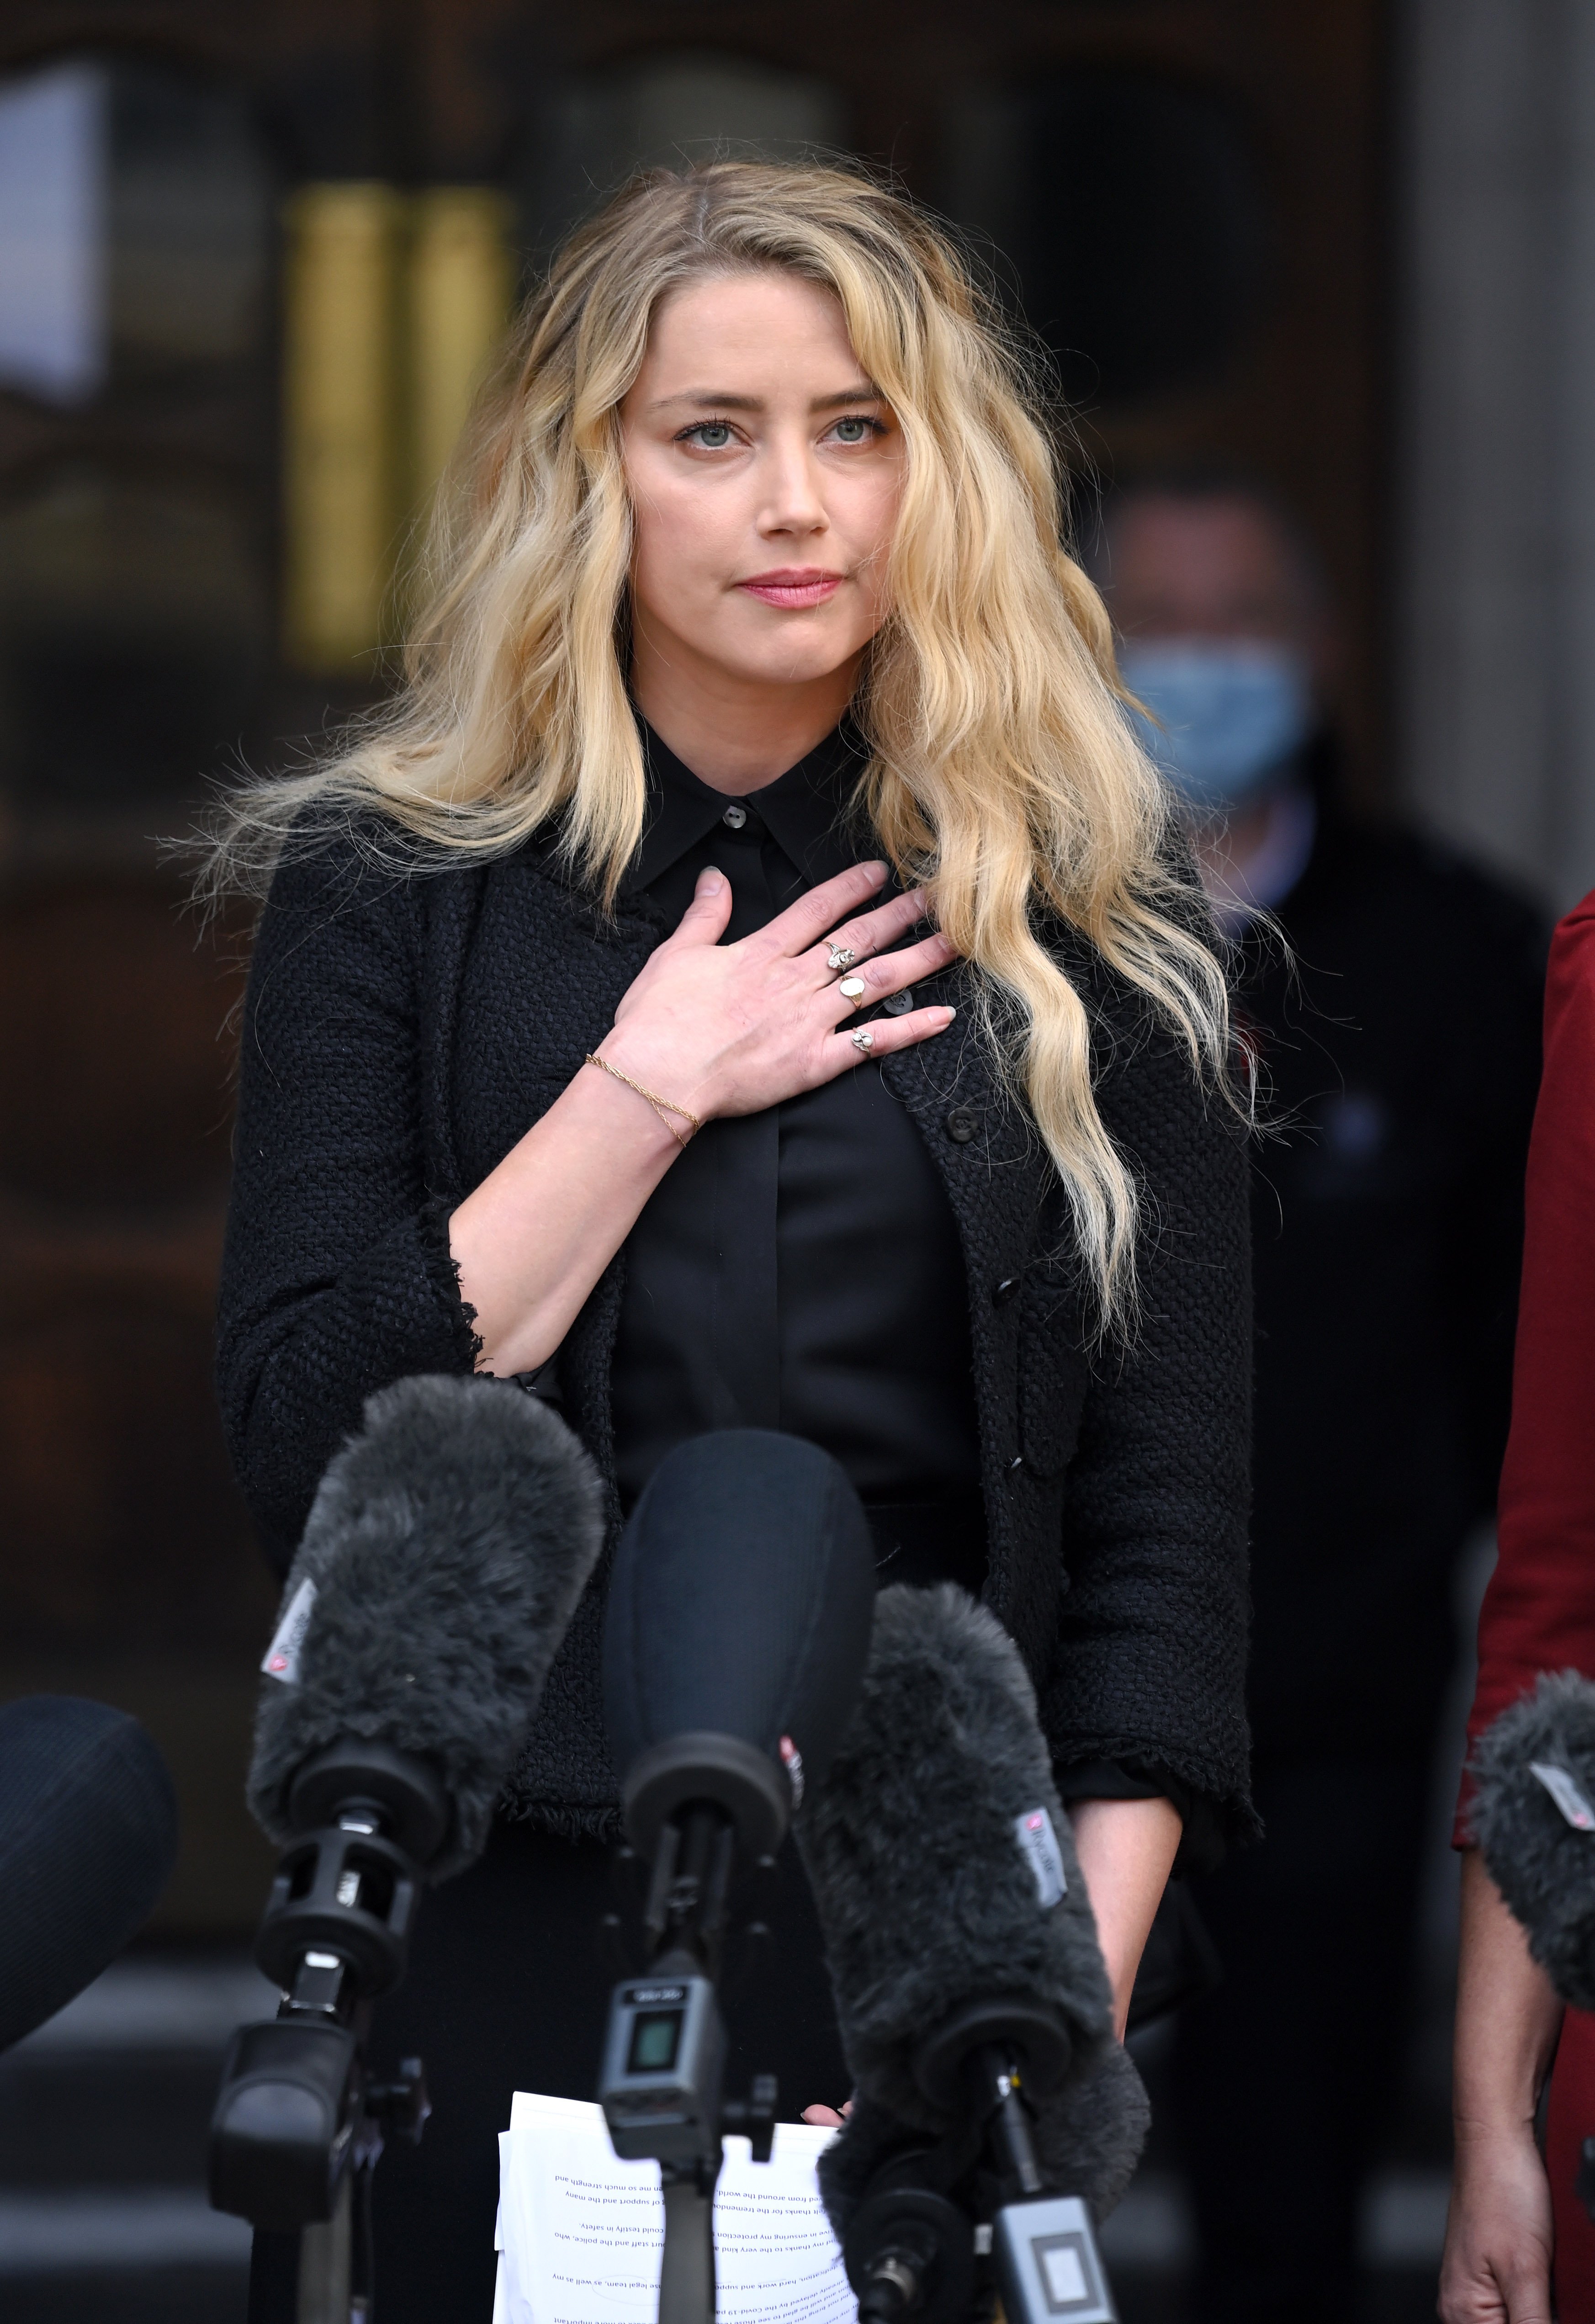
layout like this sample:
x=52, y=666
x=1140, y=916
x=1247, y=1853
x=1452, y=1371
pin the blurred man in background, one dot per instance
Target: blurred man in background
x=1396, y=1046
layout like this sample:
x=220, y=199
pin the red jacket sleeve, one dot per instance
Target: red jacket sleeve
x=1539, y=1610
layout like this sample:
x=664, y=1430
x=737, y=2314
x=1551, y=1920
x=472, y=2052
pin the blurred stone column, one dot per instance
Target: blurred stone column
x=339, y=422
x=462, y=287
x=1495, y=468
x=392, y=308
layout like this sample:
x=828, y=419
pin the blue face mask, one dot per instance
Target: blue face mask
x=1232, y=713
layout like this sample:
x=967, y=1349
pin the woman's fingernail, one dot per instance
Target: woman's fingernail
x=949, y=1014
x=710, y=881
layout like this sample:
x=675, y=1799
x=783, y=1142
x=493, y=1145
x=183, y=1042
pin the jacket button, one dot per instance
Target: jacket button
x=734, y=817
x=1001, y=1293
x=962, y=1124
x=898, y=1004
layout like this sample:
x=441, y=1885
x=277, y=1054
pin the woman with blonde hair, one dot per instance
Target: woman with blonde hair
x=748, y=977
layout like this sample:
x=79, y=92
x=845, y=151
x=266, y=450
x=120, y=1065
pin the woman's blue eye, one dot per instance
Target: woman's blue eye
x=862, y=429
x=713, y=435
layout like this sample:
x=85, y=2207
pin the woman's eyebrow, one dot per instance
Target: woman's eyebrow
x=709, y=399
x=865, y=391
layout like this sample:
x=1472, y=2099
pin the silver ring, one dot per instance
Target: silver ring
x=862, y=1039
x=854, y=988
x=841, y=957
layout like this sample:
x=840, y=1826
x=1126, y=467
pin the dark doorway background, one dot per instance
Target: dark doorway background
x=1185, y=199
x=1182, y=197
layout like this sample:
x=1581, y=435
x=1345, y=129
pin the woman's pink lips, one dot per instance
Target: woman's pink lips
x=799, y=588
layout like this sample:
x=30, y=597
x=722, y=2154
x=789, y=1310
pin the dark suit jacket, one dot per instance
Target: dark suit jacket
x=1400, y=1049
x=1115, y=1483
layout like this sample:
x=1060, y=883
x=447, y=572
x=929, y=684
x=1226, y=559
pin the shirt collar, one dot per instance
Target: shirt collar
x=805, y=810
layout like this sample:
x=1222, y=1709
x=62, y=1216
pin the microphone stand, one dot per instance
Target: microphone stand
x=322, y=2269
x=664, y=2055
x=938, y=2222
x=299, y=2124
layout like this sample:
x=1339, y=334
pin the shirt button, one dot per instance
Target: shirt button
x=898, y=1004
x=1001, y=1293
x=962, y=1124
x=734, y=817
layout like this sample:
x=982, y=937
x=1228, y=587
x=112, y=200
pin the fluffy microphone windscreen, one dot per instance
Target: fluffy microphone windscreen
x=445, y=1550
x=1541, y=1861
x=929, y=1897
x=1089, y=2137
x=741, y=1600
x=87, y=1838
x=922, y=1854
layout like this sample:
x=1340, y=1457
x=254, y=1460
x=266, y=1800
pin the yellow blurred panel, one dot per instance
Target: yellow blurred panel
x=462, y=280
x=341, y=279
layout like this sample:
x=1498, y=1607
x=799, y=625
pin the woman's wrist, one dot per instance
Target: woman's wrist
x=616, y=1119
x=1126, y=1849
x=661, y=1065
x=1476, y=2135
x=530, y=1242
x=679, y=1120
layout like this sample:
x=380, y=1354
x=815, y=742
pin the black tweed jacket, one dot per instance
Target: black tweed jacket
x=1116, y=1484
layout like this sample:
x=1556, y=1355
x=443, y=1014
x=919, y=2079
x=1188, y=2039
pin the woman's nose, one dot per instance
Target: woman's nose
x=793, y=500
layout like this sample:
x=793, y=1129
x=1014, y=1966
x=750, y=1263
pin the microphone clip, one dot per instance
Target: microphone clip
x=910, y=2247
x=661, y=2085
x=299, y=2124
x=935, y=2224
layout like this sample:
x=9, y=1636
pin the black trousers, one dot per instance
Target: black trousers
x=1284, y=2076
x=507, y=1989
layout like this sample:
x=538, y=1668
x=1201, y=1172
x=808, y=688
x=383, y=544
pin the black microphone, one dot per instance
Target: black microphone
x=1534, y=1818
x=87, y=1838
x=444, y=1556
x=974, y=2006
x=736, y=1634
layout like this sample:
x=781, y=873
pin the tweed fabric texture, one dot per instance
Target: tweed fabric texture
x=403, y=1030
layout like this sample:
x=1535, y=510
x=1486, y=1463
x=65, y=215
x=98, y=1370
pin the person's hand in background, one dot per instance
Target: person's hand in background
x=1498, y=2241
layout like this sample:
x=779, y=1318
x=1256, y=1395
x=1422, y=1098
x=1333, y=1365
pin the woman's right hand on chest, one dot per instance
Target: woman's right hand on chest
x=728, y=1029
x=709, y=1029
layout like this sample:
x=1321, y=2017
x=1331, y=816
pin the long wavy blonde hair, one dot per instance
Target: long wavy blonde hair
x=1002, y=771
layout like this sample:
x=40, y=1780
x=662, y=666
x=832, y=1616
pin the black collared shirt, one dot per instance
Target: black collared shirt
x=800, y=1268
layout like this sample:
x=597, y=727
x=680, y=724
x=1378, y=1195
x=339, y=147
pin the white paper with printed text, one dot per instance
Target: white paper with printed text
x=580, y=2232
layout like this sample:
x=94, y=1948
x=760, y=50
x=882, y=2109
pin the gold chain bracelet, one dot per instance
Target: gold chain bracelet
x=662, y=1106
